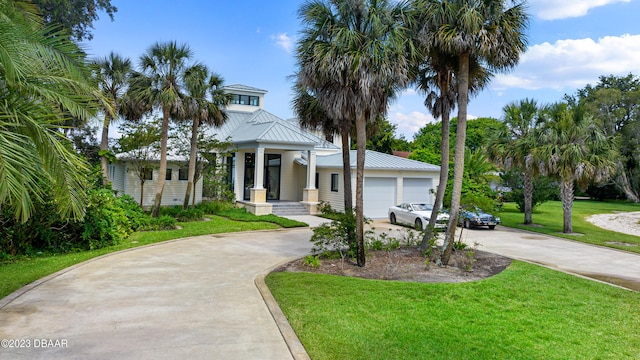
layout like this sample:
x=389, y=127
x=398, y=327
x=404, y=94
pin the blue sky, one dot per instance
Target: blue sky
x=571, y=44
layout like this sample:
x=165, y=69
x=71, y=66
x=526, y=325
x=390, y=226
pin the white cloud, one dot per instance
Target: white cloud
x=409, y=124
x=573, y=63
x=562, y=9
x=284, y=41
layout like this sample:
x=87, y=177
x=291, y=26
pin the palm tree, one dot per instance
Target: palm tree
x=312, y=116
x=436, y=78
x=574, y=148
x=352, y=56
x=199, y=84
x=44, y=80
x=161, y=84
x=487, y=30
x=112, y=73
x=513, y=146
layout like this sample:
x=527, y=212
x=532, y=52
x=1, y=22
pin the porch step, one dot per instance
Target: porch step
x=288, y=208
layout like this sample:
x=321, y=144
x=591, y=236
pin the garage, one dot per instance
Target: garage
x=379, y=195
x=417, y=190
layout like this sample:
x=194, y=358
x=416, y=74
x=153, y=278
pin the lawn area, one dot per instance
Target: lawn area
x=19, y=273
x=550, y=216
x=525, y=312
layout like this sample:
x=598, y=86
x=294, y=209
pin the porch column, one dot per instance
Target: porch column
x=258, y=192
x=311, y=170
x=310, y=193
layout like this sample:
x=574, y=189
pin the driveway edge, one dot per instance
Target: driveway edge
x=290, y=338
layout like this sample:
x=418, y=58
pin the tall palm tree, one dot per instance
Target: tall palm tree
x=112, y=73
x=161, y=84
x=436, y=77
x=204, y=105
x=492, y=32
x=359, y=47
x=513, y=146
x=44, y=81
x=574, y=148
x=312, y=116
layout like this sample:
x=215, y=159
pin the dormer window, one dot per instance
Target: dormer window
x=245, y=100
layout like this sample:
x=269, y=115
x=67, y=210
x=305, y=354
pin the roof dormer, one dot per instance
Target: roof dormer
x=245, y=98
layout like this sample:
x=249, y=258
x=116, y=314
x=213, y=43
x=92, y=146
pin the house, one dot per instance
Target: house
x=275, y=161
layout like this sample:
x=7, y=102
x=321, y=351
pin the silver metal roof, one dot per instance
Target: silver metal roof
x=374, y=161
x=240, y=87
x=261, y=126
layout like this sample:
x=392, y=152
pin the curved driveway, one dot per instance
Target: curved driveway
x=195, y=298
x=189, y=299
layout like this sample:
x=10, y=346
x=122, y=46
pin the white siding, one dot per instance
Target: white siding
x=172, y=194
x=334, y=198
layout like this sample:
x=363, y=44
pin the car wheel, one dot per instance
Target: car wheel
x=392, y=218
x=418, y=224
x=467, y=224
x=491, y=227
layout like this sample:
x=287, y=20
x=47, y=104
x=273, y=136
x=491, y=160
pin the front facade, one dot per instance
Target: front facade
x=276, y=161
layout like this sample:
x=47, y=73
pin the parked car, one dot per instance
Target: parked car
x=473, y=218
x=416, y=215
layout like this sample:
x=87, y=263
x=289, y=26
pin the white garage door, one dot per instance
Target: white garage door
x=379, y=195
x=416, y=190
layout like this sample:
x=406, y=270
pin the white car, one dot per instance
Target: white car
x=416, y=215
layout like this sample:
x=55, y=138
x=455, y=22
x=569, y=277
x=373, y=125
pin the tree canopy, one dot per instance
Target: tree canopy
x=76, y=17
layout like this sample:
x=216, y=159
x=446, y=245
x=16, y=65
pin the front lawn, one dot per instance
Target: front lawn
x=525, y=312
x=550, y=216
x=18, y=273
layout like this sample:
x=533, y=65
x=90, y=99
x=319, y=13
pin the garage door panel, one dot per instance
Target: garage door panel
x=416, y=190
x=379, y=195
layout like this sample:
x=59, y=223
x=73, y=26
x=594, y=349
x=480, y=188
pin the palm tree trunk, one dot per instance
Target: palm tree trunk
x=566, y=193
x=444, y=177
x=361, y=143
x=192, y=162
x=104, y=145
x=624, y=184
x=163, y=162
x=458, y=163
x=528, y=198
x=346, y=172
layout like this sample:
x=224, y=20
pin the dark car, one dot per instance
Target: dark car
x=473, y=218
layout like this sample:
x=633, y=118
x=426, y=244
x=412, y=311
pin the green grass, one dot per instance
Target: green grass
x=550, y=216
x=525, y=312
x=16, y=274
x=241, y=214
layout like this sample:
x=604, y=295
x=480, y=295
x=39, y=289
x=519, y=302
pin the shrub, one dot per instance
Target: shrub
x=190, y=214
x=311, y=261
x=215, y=206
x=163, y=222
x=106, y=222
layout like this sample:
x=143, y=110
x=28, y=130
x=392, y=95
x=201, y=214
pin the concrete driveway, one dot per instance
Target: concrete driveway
x=196, y=298
x=189, y=299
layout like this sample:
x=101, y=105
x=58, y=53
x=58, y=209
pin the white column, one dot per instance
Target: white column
x=259, y=169
x=311, y=169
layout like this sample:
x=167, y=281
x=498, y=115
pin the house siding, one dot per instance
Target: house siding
x=172, y=194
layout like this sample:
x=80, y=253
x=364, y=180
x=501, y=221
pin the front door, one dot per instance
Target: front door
x=271, y=181
x=272, y=175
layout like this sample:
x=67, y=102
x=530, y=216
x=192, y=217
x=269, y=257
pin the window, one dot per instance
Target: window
x=147, y=174
x=168, y=177
x=317, y=180
x=334, y=182
x=183, y=174
x=245, y=100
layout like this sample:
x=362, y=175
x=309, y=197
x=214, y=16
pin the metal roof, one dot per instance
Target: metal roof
x=261, y=126
x=240, y=87
x=374, y=161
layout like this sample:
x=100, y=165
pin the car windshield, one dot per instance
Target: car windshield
x=422, y=207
